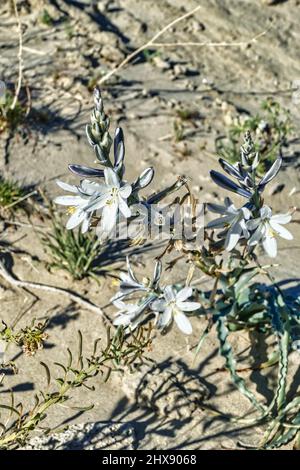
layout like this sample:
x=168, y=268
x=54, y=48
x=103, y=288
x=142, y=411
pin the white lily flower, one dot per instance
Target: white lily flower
x=130, y=284
x=78, y=202
x=173, y=305
x=126, y=314
x=265, y=227
x=112, y=199
x=131, y=315
x=233, y=220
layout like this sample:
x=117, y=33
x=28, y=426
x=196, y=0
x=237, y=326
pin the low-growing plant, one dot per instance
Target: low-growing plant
x=31, y=338
x=11, y=195
x=118, y=353
x=73, y=252
x=178, y=130
x=11, y=117
x=45, y=18
x=272, y=128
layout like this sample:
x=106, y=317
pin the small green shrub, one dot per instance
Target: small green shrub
x=72, y=251
x=11, y=194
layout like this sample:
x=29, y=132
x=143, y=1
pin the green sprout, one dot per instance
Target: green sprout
x=11, y=118
x=11, y=195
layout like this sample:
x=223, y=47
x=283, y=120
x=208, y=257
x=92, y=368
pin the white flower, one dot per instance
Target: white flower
x=126, y=314
x=265, y=227
x=113, y=198
x=131, y=315
x=82, y=196
x=173, y=305
x=130, y=284
x=234, y=220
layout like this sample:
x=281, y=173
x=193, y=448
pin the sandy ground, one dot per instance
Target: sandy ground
x=62, y=62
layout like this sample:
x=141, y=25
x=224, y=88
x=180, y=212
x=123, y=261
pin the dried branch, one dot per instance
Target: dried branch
x=147, y=45
x=152, y=43
x=20, y=53
x=211, y=44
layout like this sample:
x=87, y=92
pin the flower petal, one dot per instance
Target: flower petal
x=282, y=218
x=69, y=200
x=221, y=222
x=125, y=191
x=282, y=231
x=233, y=236
x=183, y=323
x=188, y=306
x=85, y=171
x=158, y=305
x=265, y=212
x=109, y=217
x=97, y=203
x=169, y=293
x=124, y=208
x=257, y=235
x=165, y=318
x=67, y=187
x=86, y=223
x=90, y=187
x=184, y=294
x=122, y=319
x=111, y=178
x=216, y=208
x=76, y=218
x=252, y=224
x=270, y=246
x=228, y=184
x=271, y=173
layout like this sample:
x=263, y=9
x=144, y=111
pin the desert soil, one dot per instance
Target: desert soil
x=62, y=62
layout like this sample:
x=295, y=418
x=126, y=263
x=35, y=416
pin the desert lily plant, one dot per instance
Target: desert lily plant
x=254, y=222
x=102, y=193
x=229, y=255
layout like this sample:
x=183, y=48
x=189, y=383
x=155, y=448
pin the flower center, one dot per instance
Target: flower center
x=71, y=210
x=113, y=196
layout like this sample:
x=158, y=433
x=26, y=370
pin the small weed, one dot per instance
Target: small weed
x=77, y=253
x=10, y=194
x=30, y=339
x=178, y=130
x=10, y=118
x=186, y=114
x=45, y=18
x=149, y=55
x=72, y=251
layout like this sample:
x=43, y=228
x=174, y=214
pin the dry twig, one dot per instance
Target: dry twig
x=152, y=43
x=20, y=53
